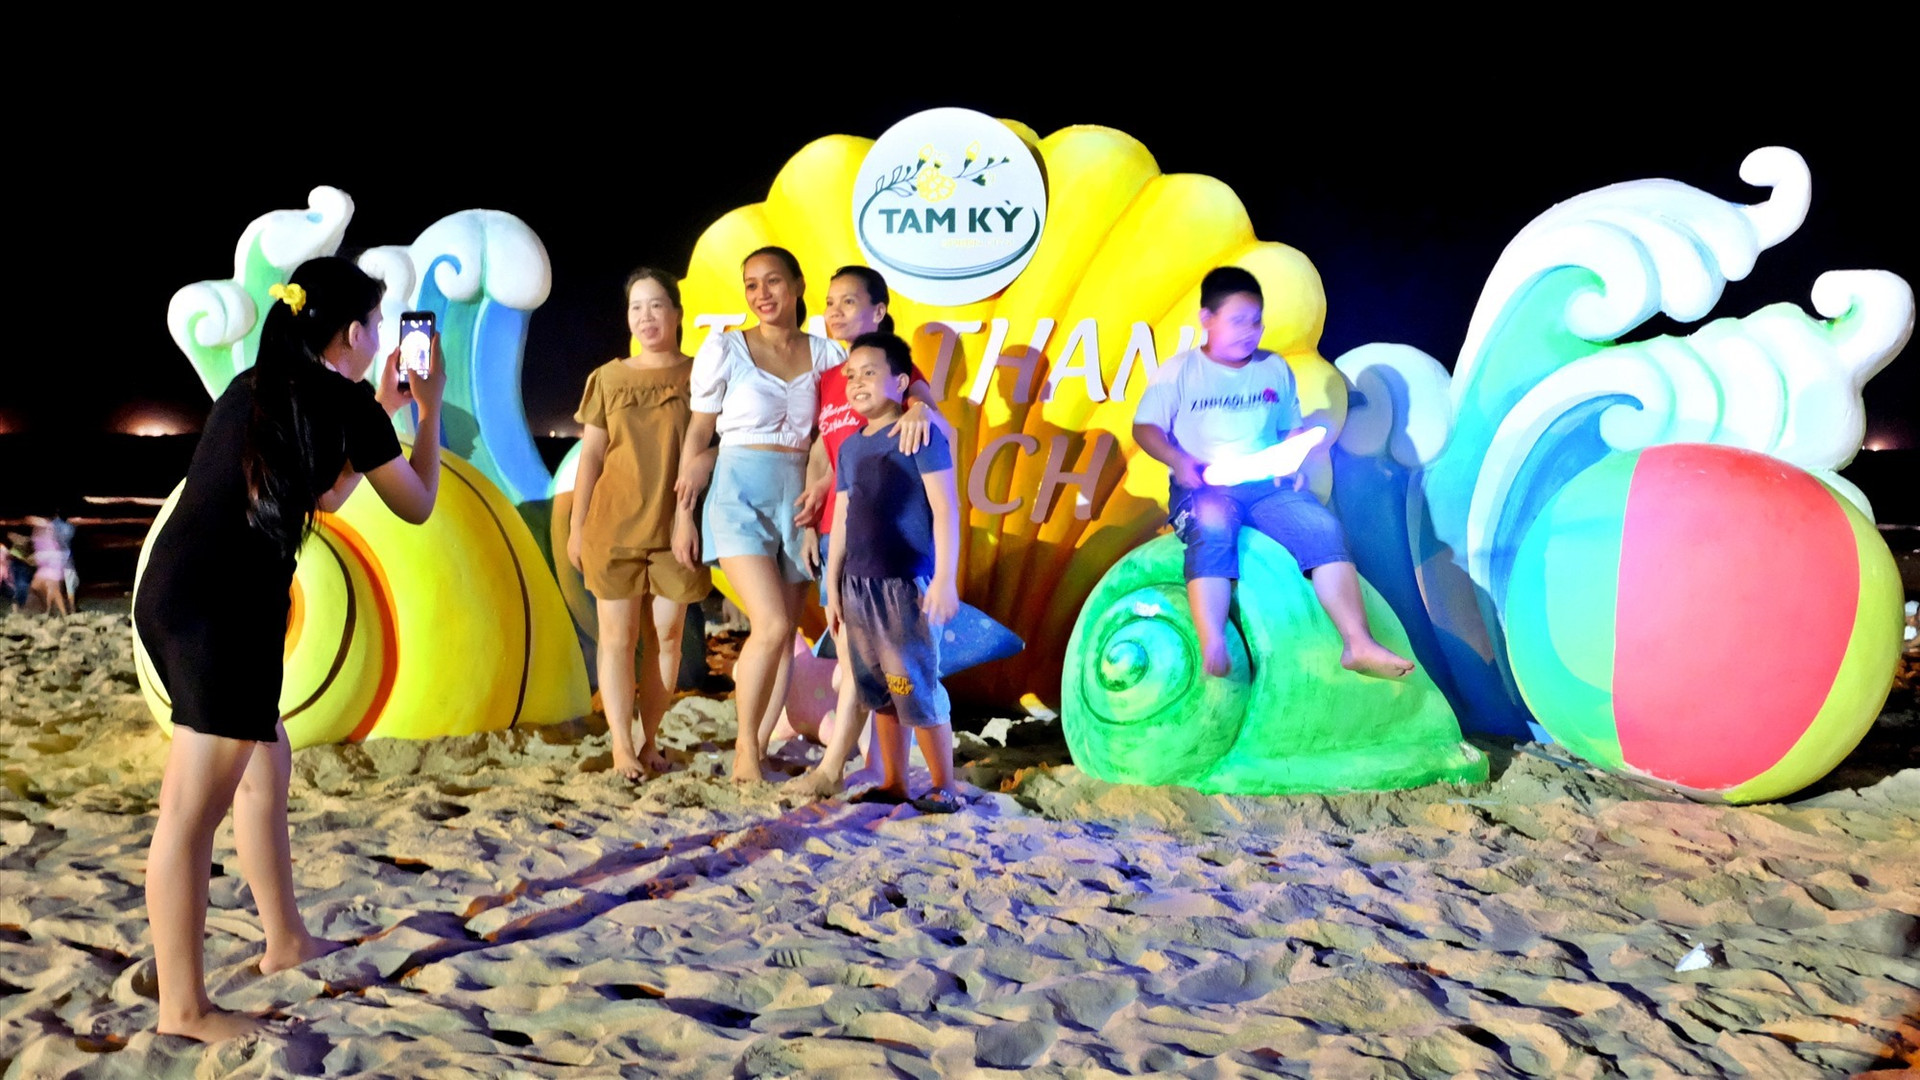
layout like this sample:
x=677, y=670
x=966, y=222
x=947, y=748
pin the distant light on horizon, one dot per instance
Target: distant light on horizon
x=151, y=420
x=154, y=426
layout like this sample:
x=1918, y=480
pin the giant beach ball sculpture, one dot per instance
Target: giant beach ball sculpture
x=1708, y=617
x=1641, y=549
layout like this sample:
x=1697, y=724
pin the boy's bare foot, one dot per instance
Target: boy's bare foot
x=211, y=1025
x=1376, y=660
x=312, y=948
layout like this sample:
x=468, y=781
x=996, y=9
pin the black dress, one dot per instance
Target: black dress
x=213, y=602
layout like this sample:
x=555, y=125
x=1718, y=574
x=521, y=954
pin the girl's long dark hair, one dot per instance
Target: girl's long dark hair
x=876, y=287
x=281, y=456
x=793, y=270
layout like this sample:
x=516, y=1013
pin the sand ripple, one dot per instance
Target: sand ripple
x=517, y=910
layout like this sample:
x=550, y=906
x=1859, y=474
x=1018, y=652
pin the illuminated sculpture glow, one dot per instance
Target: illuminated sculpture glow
x=1519, y=522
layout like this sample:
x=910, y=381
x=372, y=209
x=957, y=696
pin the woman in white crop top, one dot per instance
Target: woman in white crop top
x=758, y=390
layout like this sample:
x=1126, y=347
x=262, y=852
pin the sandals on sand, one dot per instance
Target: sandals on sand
x=936, y=801
x=939, y=801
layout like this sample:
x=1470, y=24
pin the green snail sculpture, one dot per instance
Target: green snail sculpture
x=1137, y=707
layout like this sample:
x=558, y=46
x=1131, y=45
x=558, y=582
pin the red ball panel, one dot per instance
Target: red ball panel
x=1738, y=583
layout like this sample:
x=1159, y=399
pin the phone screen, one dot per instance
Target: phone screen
x=416, y=342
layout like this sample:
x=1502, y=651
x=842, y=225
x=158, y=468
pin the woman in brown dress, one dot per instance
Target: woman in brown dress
x=633, y=419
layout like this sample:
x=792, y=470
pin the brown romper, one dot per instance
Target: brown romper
x=626, y=545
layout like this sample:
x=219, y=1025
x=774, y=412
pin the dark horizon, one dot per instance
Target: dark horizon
x=1403, y=215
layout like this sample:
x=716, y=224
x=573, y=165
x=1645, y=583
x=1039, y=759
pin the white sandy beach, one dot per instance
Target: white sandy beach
x=516, y=910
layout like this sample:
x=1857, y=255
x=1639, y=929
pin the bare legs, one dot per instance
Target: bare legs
x=203, y=775
x=760, y=676
x=266, y=856
x=1338, y=587
x=622, y=629
x=849, y=721
x=1209, y=597
x=936, y=745
x=619, y=627
x=669, y=626
x=53, y=593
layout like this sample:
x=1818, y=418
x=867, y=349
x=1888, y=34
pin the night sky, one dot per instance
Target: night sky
x=1403, y=209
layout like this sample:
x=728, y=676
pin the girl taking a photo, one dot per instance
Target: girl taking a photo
x=290, y=437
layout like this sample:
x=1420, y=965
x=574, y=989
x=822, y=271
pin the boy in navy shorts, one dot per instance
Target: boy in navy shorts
x=1223, y=403
x=892, y=570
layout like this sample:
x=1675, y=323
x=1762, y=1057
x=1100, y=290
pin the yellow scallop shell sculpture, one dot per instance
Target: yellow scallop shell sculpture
x=415, y=631
x=1124, y=244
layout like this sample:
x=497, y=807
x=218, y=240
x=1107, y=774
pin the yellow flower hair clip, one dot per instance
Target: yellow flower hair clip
x=294, y=296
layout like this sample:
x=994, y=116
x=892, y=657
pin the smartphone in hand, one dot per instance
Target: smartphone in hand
x=416, y=345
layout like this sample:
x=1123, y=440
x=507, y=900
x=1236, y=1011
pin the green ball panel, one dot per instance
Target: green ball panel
x=1560, y=610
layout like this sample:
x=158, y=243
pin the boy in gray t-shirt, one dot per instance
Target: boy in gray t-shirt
x=892, y=572
x=1226, y=401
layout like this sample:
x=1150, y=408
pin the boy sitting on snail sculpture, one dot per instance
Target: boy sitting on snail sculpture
x=1224, y=418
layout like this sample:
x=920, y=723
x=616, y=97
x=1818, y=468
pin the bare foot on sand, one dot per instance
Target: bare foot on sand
x=628, y=766
x=746, y=769
x=1376, y=660
x=652, y=760
x=312, y=948
x=816, y=783
x=211, y=1025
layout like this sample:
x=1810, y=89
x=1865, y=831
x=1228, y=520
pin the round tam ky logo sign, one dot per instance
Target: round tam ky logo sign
x=949, y=205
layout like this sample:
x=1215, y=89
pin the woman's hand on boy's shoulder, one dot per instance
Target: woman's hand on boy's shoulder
x=916, y=426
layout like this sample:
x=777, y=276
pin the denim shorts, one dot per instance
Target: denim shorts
x=1208, y=521
x=749, y=509
x=895, y=655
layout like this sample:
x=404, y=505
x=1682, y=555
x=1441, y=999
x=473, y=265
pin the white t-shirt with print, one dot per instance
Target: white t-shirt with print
x=1216, y=412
